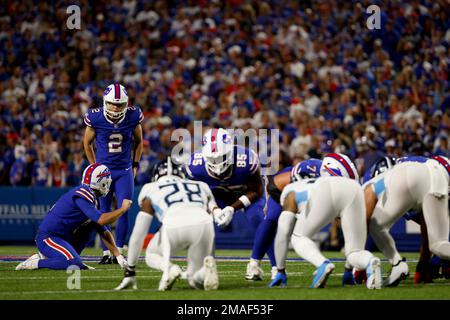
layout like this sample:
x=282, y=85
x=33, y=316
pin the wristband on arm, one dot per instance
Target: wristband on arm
x=245, y=201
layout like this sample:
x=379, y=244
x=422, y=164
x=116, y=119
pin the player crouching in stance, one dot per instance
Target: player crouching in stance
x=233, y=174
x=64, y=231
x=265, y=234
x=418, y=184
x=182, y=206
x=311, y=204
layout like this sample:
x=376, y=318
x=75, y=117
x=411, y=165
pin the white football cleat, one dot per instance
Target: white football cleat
x=254, y=272
x=30, y=264
x=211, y=281
x=273, y=272
x=399, y=272
x=127, y=282
x=373, y=271
x=167, y=281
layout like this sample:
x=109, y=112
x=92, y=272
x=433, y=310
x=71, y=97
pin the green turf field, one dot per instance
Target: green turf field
x=98, y=284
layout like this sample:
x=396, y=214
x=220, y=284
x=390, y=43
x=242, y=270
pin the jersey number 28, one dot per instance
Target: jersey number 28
x=192, y=190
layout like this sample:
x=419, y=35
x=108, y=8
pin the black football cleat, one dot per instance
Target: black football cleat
x=106, y=260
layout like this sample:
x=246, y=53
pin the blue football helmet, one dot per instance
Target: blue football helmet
x=307, y=169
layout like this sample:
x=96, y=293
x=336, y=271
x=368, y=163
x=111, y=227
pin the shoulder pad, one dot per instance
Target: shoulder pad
x=136, y=113
x=85, y=193
x=92, y=115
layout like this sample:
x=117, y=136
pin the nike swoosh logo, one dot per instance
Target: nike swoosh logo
x=127, y=169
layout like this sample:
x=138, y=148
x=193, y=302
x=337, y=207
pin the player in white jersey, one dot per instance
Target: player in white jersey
x=183, y=207
x=407, y=186
x=311, y=204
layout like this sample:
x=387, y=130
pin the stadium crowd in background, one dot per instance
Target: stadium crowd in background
x=310, y=68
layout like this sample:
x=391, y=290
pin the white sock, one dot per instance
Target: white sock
x=155, y=261
x=120, y=250
x=106, y=253
x=140, y=230
x=308, y=250
x=286, y=224
x=199, y=276
x=254, y=262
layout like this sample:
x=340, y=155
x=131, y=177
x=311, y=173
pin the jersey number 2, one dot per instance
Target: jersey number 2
x=115, y=143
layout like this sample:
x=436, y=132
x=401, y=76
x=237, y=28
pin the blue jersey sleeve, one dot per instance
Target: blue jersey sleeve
x=253, y=162
x=88, y=209
x=90, y=117
x=137, y=116
x=195, y=167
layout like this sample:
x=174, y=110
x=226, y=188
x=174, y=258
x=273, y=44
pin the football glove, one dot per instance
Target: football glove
x=122, y=261
x=223, y=219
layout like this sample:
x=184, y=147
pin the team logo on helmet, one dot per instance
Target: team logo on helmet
x=107, y=90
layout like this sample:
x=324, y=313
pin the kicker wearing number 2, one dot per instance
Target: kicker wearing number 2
x=115, y=127
x=232, y=173
x=63, y=234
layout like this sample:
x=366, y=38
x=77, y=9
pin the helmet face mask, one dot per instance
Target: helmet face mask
x=115, y=111
x=218, y=152
x=115, y=102
x=218, y=164
x=97, y=177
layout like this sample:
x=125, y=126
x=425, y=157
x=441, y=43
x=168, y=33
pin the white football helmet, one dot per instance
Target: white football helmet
x=338, y=164
x=117, y=95
x=217, y=151
x=97, y=177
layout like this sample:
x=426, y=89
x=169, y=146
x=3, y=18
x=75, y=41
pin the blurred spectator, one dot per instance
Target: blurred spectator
x=443, y=147
x=312, y=70
x=75, y=168
x=18, y=172
x=40, y=170
x=57, y=172
x=147, y=160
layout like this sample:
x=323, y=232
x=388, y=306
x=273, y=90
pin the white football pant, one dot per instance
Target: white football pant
x=333, y=197
x=413, y=185
x=191, y=229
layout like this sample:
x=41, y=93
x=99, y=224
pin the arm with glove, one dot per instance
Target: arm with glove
x=255, y=191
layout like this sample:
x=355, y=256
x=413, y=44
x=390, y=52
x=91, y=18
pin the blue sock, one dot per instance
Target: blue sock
x=121, y=230
x=264, y=237
x=435, y=260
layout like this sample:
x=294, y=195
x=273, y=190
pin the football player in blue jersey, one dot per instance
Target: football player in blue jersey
x=265, y=234
x=116, y=127
x=60, y=236
x=233, y=174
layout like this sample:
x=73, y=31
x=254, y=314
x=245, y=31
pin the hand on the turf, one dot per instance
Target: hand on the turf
x=122, y=261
